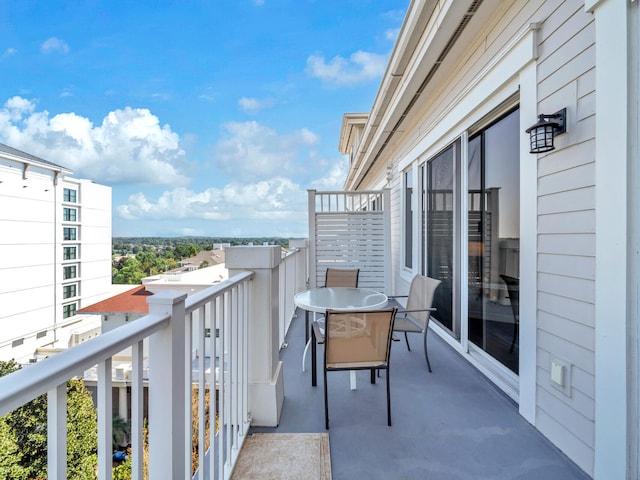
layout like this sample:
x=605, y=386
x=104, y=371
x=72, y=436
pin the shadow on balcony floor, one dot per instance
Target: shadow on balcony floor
x=450, y=424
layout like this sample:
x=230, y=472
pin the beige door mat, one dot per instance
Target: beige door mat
x=284, y=456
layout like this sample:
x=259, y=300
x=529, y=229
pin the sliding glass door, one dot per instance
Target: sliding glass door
x=494, y=239
x=438, y=221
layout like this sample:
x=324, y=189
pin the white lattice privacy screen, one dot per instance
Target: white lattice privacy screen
x=351, y=230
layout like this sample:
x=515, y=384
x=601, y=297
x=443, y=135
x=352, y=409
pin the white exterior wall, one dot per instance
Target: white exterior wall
x=28, y=252
x=559, y=318
x=31, y=249
x=95, y=241
x=566, y=234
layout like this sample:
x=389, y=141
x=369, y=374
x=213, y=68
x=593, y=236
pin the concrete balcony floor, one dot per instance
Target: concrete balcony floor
x=450, y=424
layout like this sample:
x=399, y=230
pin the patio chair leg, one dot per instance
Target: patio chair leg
x=426, y=354
x=304, y=355
x=306, y=326
x=326, y=404
x=388, y=399
x=406, y=339
x=373, y=376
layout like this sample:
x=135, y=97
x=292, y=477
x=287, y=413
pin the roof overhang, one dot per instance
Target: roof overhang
x=28, y=160
x=349, y=122
x=429, y=32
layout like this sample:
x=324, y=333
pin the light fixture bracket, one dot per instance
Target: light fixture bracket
x=560, y=117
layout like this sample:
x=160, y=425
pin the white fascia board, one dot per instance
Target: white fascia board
x=420, y=48
x=497, y=81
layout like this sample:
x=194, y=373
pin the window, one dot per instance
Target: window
x=438, y=225
x=69, y=291
x=69, y=195
x=408, y=219
x=69, y=214
x=494, y=239
x=41, y=334
x=69, y=271
x=69, y=233
x=69, y=253
x=68, y=310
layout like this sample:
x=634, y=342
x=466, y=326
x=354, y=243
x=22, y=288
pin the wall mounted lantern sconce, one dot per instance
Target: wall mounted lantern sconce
x=542, y=133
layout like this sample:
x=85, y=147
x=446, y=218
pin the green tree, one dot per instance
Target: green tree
x=82, y=432
x=23, y=435
x=147, y=261
x=131, y=273
x=181, y=251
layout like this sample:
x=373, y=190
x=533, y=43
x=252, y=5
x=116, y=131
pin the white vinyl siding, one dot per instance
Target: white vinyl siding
x=566, y=234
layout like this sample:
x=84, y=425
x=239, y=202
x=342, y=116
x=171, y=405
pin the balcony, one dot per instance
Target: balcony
x=449, y=424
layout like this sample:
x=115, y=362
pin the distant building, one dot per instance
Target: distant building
x=55, y=251
x=207, y=258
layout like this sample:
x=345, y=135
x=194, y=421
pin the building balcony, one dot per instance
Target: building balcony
x=451, y=423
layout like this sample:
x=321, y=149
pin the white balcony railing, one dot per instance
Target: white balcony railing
x=169, y=328
x=177, y=348
x=293, y=279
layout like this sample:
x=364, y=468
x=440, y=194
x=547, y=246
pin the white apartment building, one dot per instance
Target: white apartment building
x=55, y=251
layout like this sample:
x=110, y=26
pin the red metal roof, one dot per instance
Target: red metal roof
x=131, y=301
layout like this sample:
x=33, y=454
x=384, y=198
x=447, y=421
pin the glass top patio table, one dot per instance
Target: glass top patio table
x=319, y=300
x=340, y=298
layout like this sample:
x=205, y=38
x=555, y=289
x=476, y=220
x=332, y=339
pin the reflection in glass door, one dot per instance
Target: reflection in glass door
x=438, y=217
x=494, y=239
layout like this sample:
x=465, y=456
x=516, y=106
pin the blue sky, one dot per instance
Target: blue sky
x=206, y=118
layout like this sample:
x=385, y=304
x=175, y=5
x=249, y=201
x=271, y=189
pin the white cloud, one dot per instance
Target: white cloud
x=9, y=52
x=274, y=200
x=392, y=34
x=16, y=107
x=209, y=94
x=335, y=178
x=361, y=67
x=67, y=92
x=161, y=96
x=251, y=150
x=130, y=146
x=54, y=44
x=254, y=104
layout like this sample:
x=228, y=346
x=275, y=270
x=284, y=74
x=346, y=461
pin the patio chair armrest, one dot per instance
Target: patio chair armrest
x=411, y=320
x=397, y=296
x=317, y=330
x=416, y=310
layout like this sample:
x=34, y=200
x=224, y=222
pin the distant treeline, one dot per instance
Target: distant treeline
x=133, y=245
x=137, y=257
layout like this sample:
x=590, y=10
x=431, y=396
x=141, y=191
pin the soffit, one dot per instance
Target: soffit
x=441, y=39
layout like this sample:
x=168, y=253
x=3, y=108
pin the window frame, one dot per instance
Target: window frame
x=69, y=310
x=70, y=195
x=408, y=176
x=67, y=215
x=69, y=291
x=69, y=268
x=69, y=234
x=66, y=252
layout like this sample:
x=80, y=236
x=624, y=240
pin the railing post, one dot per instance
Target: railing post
x=266, y=383
x=302, y=264
x=57, y=432
x=167, y=385
x=388, y=278
x=311, y=199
